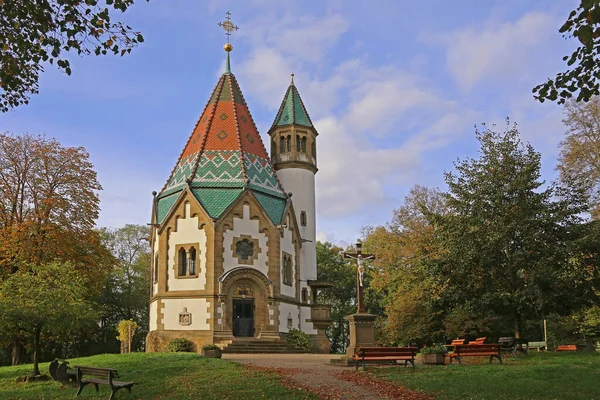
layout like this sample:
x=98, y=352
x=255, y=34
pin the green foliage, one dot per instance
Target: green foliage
x=126, y=288
x=437, y=348
x=33, y=33
x=545, y=375
x=299, y=339
x=180, y=345
x=584, y=79
x=45, y=301
x=170, y=376
x=210, y=347
x=507, y=241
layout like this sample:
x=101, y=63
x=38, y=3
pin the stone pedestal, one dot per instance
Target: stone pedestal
x=362, y=331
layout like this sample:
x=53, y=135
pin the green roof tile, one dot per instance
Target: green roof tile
x=215, y=201
x=273, y=206
x=292, y=110
x=164, y=205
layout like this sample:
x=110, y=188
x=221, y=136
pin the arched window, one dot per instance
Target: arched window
x=192, y=261
x=303, y=145
x=303, y=218
x=298, y=143
x=289, y=143
x=313, y=149
x=156, y=268
x=182, y=260
x=273, y=149
x=282, y=144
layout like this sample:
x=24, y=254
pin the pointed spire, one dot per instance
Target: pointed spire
x=292, y=110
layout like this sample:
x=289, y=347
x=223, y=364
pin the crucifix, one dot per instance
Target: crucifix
x=360, y=270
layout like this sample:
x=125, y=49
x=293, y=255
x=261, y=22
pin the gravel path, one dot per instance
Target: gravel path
x=314, y=373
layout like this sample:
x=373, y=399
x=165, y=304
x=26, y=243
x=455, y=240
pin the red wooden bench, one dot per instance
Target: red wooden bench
x=392, y=354
x=480, y=340
x=476, y=350
x=567, y=347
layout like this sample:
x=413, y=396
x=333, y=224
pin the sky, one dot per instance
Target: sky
x=394, y=88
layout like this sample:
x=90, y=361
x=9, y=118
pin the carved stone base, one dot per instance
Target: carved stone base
x=157, y=341
x=362, y=332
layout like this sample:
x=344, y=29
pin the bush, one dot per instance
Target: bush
x=210, y=347
x=437, y=348
x=180, y=345
x=299, y=339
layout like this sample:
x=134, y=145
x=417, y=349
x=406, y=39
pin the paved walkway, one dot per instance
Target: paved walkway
x=314, y=373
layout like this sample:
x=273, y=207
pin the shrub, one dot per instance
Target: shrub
x=299, y=339
x=180, y=345
x=210, y=347
x=437, y=348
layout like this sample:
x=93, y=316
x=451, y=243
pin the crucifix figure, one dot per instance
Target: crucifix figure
x=360, y=270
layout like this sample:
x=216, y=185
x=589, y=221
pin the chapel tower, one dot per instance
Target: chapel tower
x=294, y=157
x=233, y=254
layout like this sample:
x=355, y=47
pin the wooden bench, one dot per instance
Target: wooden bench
x=102, y=376
x=512, y=345
x=480, y=340
x=392, y=354
x=455, y=342
x=476, y=350
x=567, y=347
x=537, y=345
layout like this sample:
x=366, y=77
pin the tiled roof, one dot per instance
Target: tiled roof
x=292, y=110
x=223, y=156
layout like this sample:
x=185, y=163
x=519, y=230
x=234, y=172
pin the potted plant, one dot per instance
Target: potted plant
x=211, y=350
x=435, y=354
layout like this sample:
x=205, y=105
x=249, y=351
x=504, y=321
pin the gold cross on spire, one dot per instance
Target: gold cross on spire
x=228, y=26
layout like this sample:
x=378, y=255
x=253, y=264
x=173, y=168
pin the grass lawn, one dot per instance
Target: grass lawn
x=170, y=376
x=537, y=376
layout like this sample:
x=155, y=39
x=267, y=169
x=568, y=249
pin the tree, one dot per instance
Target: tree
x=48, y=207
x=127, y=287
x=507, y=241
x=584, y=79
x=42, y=301
x=579, y=159
x=404, y=248
x=342, y=297
x=34, y=32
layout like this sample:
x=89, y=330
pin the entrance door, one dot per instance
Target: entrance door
x=243, y=317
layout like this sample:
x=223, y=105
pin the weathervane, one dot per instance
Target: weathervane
x=228, y=26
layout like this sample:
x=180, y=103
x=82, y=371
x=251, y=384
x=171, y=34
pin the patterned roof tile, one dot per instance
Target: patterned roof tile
x=292, y=110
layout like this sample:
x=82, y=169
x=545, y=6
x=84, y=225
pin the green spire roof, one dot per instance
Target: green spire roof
x=292, y=110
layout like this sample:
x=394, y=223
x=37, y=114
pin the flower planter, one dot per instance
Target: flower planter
x=436, y=359
x=212, y=353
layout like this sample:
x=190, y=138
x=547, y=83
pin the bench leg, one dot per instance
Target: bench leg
x=81, y=386
x=97, y=388
x=112, y=394
x=459, y=360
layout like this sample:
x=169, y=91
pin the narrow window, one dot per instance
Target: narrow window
x=156, y=268
x=289, y=143
x=273, y=148
x=192, y=261
x=282, y=145
x=287, y=270
x=313, y=149
x=298, y=143
x=304, y=295
x=182, y=262
x=303, y=218
x=303, y=145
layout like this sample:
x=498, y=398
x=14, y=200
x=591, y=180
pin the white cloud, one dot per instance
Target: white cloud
x=496, y=49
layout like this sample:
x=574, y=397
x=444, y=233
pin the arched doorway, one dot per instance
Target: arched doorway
x=246, y=294
x=242, y=300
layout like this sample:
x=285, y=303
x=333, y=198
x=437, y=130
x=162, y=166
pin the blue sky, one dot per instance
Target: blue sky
x=394, y=89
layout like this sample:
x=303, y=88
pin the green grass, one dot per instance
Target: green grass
x=537, y=376
x=171, y=376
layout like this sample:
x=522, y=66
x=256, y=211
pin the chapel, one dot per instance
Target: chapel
x=233, y=232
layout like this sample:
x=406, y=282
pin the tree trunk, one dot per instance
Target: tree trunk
x=36, y=351
x=18, y=352
x=517, y=318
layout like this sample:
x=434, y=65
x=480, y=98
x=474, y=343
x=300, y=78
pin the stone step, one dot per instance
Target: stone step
x=261, y=346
